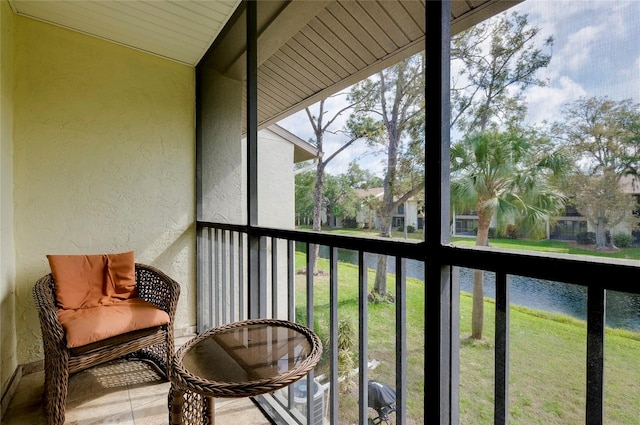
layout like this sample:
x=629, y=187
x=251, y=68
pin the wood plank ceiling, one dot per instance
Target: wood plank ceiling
x=178, y=30
x=310, y=50
x=307, y=49
x=344, y=43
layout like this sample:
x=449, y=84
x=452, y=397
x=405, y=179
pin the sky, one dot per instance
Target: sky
x=596, y=52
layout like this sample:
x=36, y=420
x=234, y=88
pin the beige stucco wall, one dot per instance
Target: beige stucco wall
x=223, y=182
x=276, y=183
x=276, y=203
x=8, y=344
x=104, y=161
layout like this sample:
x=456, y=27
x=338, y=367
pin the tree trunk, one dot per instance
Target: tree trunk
x=317, y=215
x=601, y=235
x=315, y=253
x=477, y=310
x=380, y=284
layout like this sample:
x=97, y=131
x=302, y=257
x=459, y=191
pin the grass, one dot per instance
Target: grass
x=553, y=246
x=520, y=244
x=547, y=357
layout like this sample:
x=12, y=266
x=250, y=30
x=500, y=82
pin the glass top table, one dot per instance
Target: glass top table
x=240, y=359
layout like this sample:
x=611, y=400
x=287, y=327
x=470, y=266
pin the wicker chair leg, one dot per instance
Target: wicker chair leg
x=176, y=402
x=209, y=410
x=56, y=385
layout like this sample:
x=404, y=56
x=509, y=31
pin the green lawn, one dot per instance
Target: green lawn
x=522, y=244
x=552, y=246
x=547, y=358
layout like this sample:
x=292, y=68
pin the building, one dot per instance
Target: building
x=411, y=212
x=567, y=226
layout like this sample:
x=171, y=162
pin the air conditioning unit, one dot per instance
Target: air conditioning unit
x=300, y=400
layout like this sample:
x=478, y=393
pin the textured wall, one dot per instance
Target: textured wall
x=223, y=182
x=104, y=161
x=276, y=183
x=8, y=353
x=276, y=202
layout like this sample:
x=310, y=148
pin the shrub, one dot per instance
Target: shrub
x=349, y=223
x=492, y=233
x=512, y=231
x=411, y=229
x=622, y=240
x=346, y=356
x=400, y=228
x=586, y=238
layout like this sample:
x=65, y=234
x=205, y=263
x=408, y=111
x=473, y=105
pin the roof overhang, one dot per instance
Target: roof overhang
x=307, y=50
x=302, y=151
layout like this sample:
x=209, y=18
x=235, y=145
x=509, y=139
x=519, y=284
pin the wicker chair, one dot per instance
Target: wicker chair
x=154, y=344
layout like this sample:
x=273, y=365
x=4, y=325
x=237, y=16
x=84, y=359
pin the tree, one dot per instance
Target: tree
x=508, y=174
x=603, y=137
x=393, y=103
x=372, y=205
x=339, y=197
x=494, y=63
x=600, y=200
x=304, y=184
x=320, y=127
x=491, y=58
x=358, y=178
x=361, y=179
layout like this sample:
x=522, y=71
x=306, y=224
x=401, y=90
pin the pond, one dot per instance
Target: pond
x=623, y=310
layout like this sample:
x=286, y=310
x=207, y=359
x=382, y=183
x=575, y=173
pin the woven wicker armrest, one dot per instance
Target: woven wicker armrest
x=155, y=345
x=43, y=294
x=157, y=288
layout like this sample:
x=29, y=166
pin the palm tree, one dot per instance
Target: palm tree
x=509, y=175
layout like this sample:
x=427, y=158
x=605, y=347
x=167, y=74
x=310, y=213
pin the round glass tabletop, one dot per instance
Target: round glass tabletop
x=246, y=358
x=247, y=353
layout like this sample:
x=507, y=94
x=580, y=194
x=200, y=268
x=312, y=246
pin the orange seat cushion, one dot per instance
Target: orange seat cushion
x=84, y=281
x=87, y=325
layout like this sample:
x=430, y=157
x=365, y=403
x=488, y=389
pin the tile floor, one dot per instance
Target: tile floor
x=119, y=392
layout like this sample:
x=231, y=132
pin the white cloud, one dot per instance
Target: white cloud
x=545, y=102
x=563, y=10
x=595, y=52
x=579, y=48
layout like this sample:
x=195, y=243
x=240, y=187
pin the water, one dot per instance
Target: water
x=623, y=310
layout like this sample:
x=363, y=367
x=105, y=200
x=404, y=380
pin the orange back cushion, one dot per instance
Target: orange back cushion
x=82, y=281
x=121, y=276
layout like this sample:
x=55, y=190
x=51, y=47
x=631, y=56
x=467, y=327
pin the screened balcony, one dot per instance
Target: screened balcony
x=103, y=157
x=253, y=267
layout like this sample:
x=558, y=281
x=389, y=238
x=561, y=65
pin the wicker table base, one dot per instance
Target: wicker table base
x=240, y=359
x=186, y=407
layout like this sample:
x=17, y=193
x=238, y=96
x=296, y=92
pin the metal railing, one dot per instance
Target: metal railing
x=224, y=296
